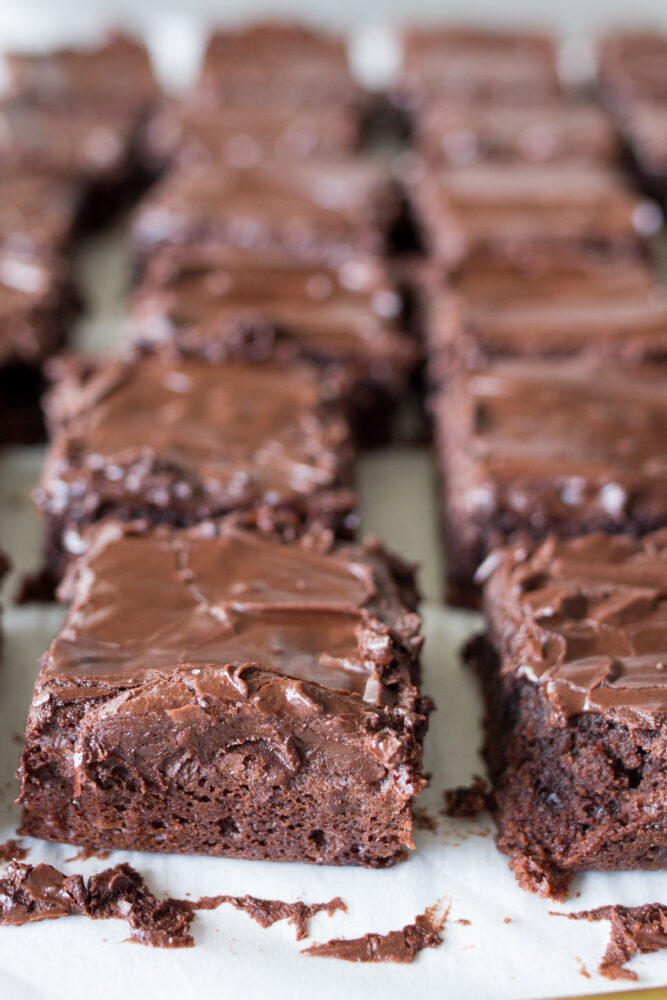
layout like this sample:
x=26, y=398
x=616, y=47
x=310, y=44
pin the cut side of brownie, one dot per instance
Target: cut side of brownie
x=528, y=447
x=217, y=691
x=181, y=442
x=574, y=673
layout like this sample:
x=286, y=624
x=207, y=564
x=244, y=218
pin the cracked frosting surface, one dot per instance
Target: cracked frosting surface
x=226, y=597
x=587, y=618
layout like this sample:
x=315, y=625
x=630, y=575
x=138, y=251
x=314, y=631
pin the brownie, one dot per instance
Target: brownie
x=632, y=64
x=645, y=131
x=500, y=209
x=526, y=447
x=37, y=303
x=574, y=675
x=276, y=65
x=39, y=212
x=476, y=64
x=224, y=303
x=459, y=132
x=180, y=442
x=216, y=691
x=322, y=209
x=190, y=132
x=611, y=309
x=115, y=74
x=4, y=569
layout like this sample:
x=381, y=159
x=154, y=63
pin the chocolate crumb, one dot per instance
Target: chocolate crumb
x=539, y=877
x=422, y=820
x=268, y=911
x=462, y=920
x=633, y=929
x=507, y=920
x=396, y=946
x=85, y=853
x=29, y=893
x=13, y=850
x=583, y=971
x=467, y=800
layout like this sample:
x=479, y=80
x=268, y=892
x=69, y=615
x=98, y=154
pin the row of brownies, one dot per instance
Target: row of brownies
x=235, y=675
x=546, y=334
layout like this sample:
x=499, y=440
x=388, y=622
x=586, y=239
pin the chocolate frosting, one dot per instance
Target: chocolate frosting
x=213, y=304
x=557, y=442
x=316, y=207
x=395, y=946
x=614, y=309
x=229, y=597
x=193, y=434
x=37, y=212
x=587, y=619
x=460, y=132
x=80, y=76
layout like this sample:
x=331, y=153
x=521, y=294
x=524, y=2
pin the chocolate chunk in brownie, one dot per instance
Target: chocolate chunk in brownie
x=318, y=209
x=498, y=209
x=179, y=442
x=217, y=691
x=574, y=671
x=526, y=447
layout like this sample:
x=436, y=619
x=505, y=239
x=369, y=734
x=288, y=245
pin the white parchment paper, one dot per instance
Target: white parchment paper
x=529, y=955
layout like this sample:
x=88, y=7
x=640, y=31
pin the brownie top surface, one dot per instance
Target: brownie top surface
x=587, y=617
x=117, y=72
x=312, y=206
x=243, y=137
x=563, y=437
x=233, y=434
x=199, y=299
x=217, y=596
x=551, y=130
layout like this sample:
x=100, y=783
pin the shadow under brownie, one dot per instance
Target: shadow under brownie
x=574, y=673
x=217, y=691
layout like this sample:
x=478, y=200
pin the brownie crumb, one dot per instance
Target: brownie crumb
x=396, y=946
x=633, y=929
x=583, y=971
x=507, y=920
x=86, y=853
x=467, y=800
x=422, y=820
x=29, y=893
x=539, y=877
x=268, y=911
x=463, y=921
x=13, y=850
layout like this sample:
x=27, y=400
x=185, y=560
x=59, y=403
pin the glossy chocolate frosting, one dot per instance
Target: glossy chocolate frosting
x=81, y=76
x=488, y=206
x=586, y=618
x=617, y=310
x=549, y=443
x=193, y=436
x=195, y=133
x=225, y=302
x=223, y=598
x=461, y=132
x=316, y=207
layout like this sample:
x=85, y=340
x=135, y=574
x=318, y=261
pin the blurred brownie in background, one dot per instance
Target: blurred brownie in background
x=529, y=447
